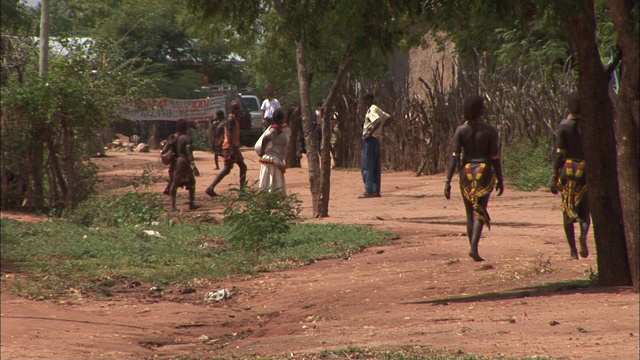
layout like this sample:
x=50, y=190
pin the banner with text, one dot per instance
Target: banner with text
x=198, y=110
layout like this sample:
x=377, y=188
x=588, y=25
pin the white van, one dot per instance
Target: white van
x=252, y=103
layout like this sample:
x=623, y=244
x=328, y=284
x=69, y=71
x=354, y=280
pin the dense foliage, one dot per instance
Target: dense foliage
x=50, y=123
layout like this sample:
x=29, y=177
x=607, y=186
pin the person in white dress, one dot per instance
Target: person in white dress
x=273, y=152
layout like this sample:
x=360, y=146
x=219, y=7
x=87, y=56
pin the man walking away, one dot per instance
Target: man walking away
x=569, y=175
x=480, y=169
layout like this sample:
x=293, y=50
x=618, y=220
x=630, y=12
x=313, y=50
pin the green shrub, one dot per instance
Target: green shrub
x=199, y=138
x=87, y=179
x=50, y=122
x=528, y=167
x=129, y=209
x=258, y=219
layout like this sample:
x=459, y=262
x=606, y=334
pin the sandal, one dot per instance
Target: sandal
x=366, y=195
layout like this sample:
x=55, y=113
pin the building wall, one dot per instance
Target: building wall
x=433, y=64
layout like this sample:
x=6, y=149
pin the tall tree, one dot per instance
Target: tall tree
x=625, y=15
x=357, y=28
x=598, y=129
x=576, y=21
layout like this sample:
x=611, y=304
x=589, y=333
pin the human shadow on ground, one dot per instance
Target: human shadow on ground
x=448, y=220
x=418, y=196
x=547, y=289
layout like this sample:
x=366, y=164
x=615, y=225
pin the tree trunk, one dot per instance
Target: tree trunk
x=329, y=104
x=153, y=142
x=598, y=130
x=627, y=128
x=308, y=125
x=292, y=160
x=35, y=197
x=69, y=162
x=55, y=169
x=325, y=160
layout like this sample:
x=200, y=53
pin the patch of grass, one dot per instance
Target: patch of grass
x=132, y=208
x=527, y=166
x=306, y=243
x=390, y=353
x=57, y=257
x=593, y=275
x=402, y=352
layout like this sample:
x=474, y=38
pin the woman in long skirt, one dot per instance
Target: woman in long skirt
x=273, y=152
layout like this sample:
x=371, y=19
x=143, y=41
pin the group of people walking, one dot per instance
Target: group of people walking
x=475, y=155
x=224, y=137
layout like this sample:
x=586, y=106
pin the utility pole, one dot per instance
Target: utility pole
x=44, y=37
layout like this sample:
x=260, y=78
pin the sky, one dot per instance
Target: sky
x=32, y=3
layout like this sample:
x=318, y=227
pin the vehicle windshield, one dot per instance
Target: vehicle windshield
x=252, y=103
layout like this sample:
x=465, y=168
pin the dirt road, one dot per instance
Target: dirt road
x=420, y=290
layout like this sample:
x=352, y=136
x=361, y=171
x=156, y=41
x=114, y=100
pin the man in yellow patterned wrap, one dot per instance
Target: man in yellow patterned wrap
x=476, y=152
x=570, y=178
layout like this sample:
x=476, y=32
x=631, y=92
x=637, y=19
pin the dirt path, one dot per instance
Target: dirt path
x=420, y=290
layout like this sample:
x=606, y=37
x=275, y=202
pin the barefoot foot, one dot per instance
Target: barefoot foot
x=210, y=192
x=475, y=256
x=584, y=251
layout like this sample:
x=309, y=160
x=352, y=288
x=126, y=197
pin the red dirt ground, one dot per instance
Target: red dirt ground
x=419, y=290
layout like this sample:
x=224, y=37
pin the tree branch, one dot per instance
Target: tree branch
x=615, y=63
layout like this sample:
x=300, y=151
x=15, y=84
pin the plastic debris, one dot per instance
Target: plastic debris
x=152, y=233
x=216, y=296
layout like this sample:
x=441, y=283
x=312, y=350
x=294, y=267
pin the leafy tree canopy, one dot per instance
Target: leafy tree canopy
x=16, y=18
x=528, y=33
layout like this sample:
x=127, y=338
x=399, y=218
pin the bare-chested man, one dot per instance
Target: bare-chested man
x=570, y=177
x=185, y=167
x=230, y=150
x=476, y=153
